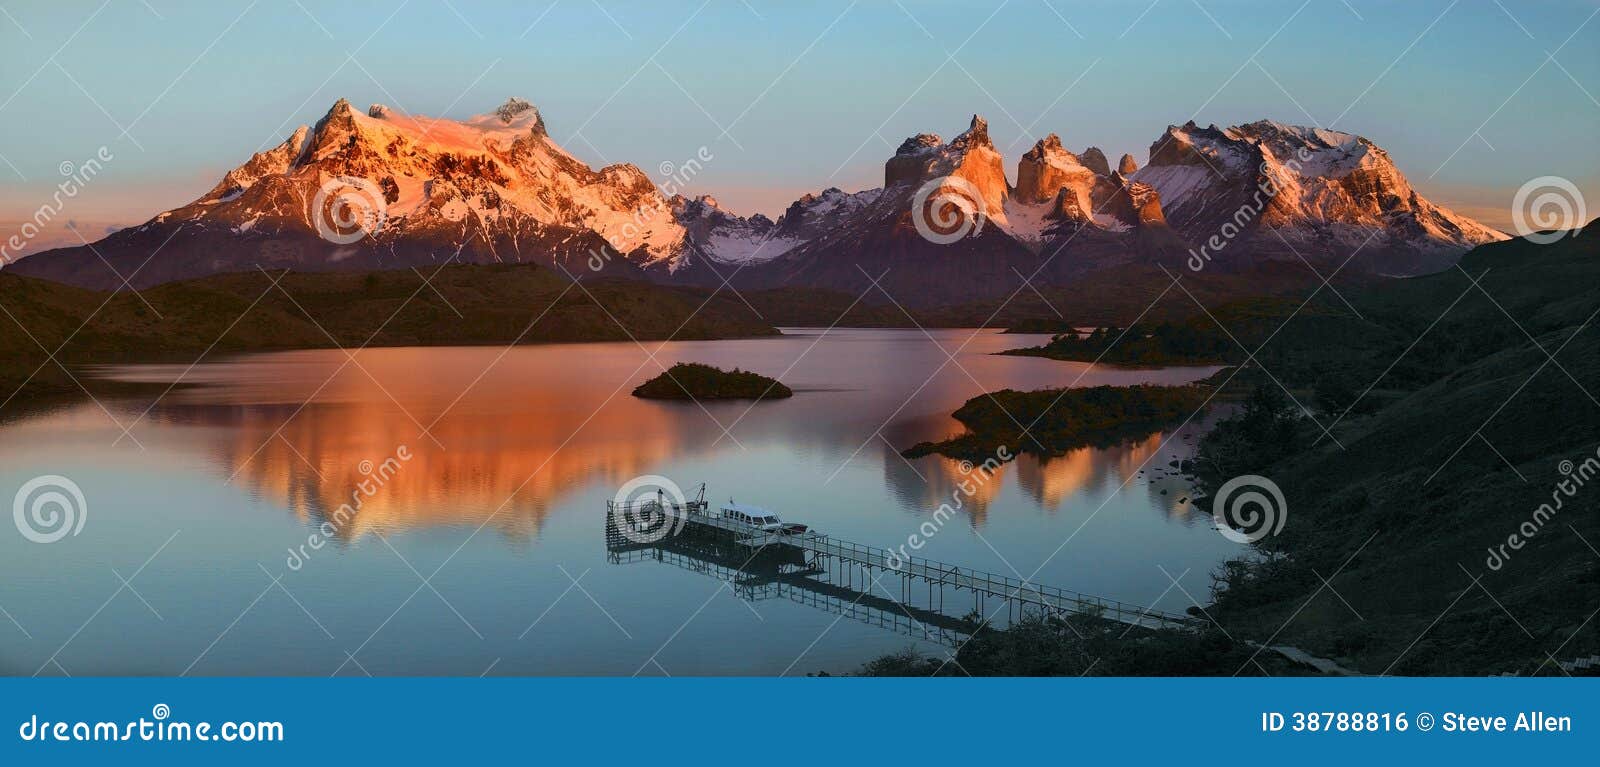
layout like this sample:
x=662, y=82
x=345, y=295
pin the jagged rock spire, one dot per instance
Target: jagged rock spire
x=1095, y=160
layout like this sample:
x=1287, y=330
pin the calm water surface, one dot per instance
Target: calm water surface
x=485, y=552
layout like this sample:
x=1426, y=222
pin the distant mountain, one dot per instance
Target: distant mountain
x=491, y=189
x=379, y=189
x=876, y=232
x=1229, y=200
x=716, y=241
x=1321, y=194
x=1067, y=215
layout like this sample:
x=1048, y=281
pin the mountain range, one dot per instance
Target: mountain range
x=380, y=189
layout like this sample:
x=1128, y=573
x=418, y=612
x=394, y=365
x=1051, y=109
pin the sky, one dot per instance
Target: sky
x=1471, y=99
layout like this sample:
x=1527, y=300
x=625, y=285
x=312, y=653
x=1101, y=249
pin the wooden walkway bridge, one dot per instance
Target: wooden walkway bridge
x=816, y=590
x=823, y=565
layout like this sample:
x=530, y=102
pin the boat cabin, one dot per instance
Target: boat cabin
x=755, y=516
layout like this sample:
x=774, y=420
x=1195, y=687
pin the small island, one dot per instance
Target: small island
x=1058, y=420
x=1162, y=345
x=694, y=381
x=1040, y=325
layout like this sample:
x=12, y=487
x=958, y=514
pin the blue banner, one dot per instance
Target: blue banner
x=795, y=721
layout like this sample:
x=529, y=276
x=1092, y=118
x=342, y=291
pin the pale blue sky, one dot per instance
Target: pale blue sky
x=811, y=94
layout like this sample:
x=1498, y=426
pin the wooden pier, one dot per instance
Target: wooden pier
x=811, y=589
x=843, y=576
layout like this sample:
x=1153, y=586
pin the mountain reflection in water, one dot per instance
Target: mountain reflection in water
x=513, y=453
x=506, y=448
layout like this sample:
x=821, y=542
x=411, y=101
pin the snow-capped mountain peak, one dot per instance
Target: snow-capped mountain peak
x=970, y=157
x=500, y=167
x=1310, y=188
x=496, y=187
x=1056, y=186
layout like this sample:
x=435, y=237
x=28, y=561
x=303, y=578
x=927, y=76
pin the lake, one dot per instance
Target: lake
x=483, y=551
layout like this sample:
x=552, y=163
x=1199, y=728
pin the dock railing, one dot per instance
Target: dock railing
x=1016, y=589
x=994, y=584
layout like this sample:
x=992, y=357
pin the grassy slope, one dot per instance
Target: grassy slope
x=1120, y=296
x=1081, y=645
x=245, y=312
x=1400, y=518
x=1111, y=297
x=1473, y=385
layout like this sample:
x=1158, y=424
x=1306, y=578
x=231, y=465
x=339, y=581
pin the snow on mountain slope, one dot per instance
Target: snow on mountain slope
x=1282, y=191
x=1028, y=221
x=726, y=238
x=815, y=215
x=514, y=169
x=409, y=190
x=381, y=189
x=970, y=158
x=878, y=232
x=1056, y=187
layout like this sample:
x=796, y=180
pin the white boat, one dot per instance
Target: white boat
x=754, y=516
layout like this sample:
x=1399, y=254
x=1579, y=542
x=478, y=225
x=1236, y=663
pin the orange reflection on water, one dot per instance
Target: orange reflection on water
x=1051, y=481
x=502, y=436
x=506, y=469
